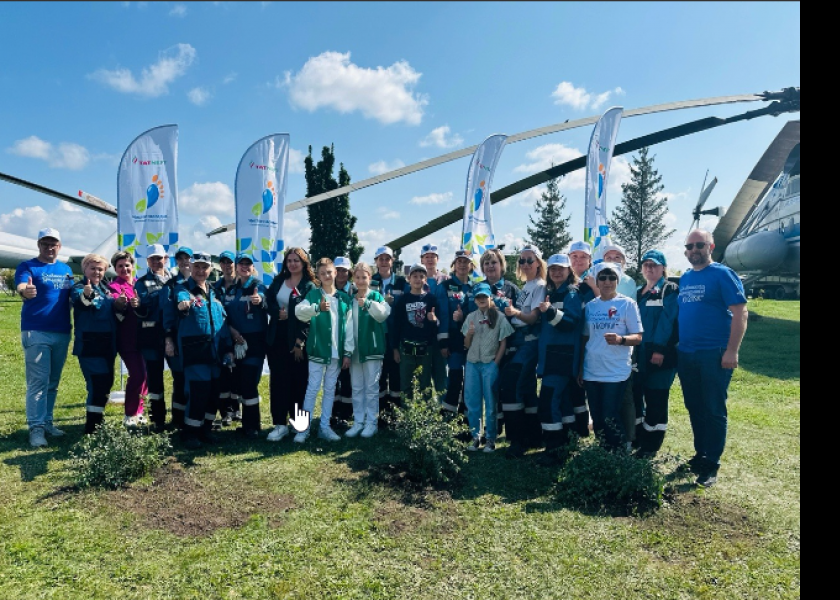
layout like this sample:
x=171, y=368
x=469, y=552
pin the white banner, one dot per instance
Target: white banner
x=596, y=227
x=477, y=233
x=261, y=181
x=147, y=194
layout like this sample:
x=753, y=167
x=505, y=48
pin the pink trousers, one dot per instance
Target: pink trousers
x=135, y=387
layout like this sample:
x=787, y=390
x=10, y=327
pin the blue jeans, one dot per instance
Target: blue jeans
x=705, y=383
x=605, y=402
x=44, y=355
x=478, y=385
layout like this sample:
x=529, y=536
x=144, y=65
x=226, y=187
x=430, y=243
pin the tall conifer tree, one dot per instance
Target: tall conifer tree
x=550, y=231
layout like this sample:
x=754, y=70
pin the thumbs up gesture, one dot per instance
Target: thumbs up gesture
x=545, y=305
x=88, y=291
x=458, y=315
x=121, y=301
x=135, y=301
x=325, y=304
x=255, y=297
x=510, y=311
x=431, y=315
x=184, y=305
x=28, y=290
x=471, y=330
x=361, y=300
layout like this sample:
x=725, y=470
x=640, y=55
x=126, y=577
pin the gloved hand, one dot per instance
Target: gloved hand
x=240, y=350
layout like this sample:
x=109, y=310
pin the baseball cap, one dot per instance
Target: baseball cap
x=428, y=249
x=244, y=256
x=656, y=256
x=603, y=266
x=613, y=248
x=417, y=267
x=155, y=250
x=228, y=255
x=559, y=260
x=482, y=289
x=50, y=233
x=383, y=250
x=342, y=262
x=531, y=248
x=463, y=254
x=184, y=250
x=580, y=246
x=199, y=257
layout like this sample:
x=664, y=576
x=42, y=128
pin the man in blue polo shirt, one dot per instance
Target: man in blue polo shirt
x=712, y=322
x=44, y=283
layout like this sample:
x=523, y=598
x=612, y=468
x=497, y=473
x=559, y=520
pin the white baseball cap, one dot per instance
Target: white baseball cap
x=201, y=257
x=559, y=260
x=342, y=262
x=383, y=250
x=614, y=248
x=428, y=249
x=418, y=267
x=602, y=266
x=156, y=250
x=531, y=248
x=581, y=247
x=50, y=233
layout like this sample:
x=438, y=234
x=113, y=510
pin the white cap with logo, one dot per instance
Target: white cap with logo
x=49, y=232
x=581, y=246
x=383, y=250
x=156, y=250
x=342, y=262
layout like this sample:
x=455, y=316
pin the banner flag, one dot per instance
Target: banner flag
x=596, y=228
x=147, y=194
x=261, y=181
x=477, y=231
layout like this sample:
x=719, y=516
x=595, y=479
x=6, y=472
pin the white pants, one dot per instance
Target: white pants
x=365, y=379
x=327, y=375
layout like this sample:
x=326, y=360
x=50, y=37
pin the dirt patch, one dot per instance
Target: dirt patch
x=179, y=503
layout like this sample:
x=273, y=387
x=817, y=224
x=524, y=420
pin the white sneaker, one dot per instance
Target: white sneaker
x=36, y=438
x=278, y=433
x=52, y=430
x=355, y=430
x=129, y=421
x=326, y=433
x=370, y=430
x=301, y=437
x=141, y=420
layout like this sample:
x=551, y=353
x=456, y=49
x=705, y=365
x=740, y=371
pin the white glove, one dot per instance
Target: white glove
x=240, y=350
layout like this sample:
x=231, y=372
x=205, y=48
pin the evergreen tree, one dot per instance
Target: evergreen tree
x=330, y=221
x=637, y=223
x=550, y=231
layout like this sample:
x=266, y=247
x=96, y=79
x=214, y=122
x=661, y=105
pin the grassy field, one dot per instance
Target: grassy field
x=255, y=520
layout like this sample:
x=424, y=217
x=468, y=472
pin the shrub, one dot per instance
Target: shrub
x=435, y=454
x=113, y=456
x=599, y=480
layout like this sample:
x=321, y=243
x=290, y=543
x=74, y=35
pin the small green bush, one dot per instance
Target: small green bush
x=435, y=454
x=599, y=480
x=113, y=456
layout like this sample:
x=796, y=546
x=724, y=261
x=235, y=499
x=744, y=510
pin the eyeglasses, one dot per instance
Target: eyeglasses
x=526, y=261
x=698, y=245
x=607, y=278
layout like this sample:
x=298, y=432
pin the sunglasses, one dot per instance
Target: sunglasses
x=526, y=261
x=607, y=278
x=698, y=245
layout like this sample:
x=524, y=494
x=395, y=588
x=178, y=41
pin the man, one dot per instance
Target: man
x=429, y=257
x=171, y=321
x=343, y=407
x=44, y=283
x=615, y=254
x=391, y=286
x=712, y=322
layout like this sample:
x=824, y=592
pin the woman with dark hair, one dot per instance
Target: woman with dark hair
x=286, y=340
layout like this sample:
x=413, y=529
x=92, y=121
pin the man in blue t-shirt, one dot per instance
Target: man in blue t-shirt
x=44, y=283
x=712, y=322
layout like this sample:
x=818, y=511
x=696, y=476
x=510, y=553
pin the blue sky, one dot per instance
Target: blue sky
x=389, y=84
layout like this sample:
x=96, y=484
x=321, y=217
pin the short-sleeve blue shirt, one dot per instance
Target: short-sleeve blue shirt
x=704, y=316
x=49, y=310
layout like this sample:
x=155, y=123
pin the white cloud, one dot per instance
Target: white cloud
x=546, y=156
x=579, y=99
x=371, y=240
x=387, y=214
x=229, y=78
x=381, y=166
x=440, y=137
x=199, y=95
x=179, y=10
x=155, y=79
x=81, y=230
x=296, y=159
x=203, y=198
x=444, y=198
x=196, y=238
x=330, y=80
x=66, y=155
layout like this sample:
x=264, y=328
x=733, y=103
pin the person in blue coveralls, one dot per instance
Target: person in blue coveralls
x=712, y=323
x=229, y=407
x=429, y=257
x=391, y=286
x=656, y=357
x=171, y=320
x=203, y=343
x=580, y=255
x=95, y=343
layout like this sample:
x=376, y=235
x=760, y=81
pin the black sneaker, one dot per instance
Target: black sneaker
x=248, y=434
x=515, y=451
x=695, y=464
x=237, y=416
x=708, y=476
x=474, y=445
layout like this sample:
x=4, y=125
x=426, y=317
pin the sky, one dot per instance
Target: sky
x=388, y=84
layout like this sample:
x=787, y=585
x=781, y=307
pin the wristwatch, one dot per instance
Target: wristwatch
x=623, y=339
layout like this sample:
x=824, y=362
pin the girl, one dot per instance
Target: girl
x=370, y=310
x=485, y=337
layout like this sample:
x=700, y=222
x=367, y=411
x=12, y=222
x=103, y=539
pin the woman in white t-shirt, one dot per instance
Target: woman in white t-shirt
x=518, y=379
x=613, y=325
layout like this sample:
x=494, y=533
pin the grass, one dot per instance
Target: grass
x=255, y=520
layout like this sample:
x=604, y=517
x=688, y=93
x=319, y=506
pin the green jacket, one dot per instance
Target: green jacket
x=369, y=324
x=319, y=343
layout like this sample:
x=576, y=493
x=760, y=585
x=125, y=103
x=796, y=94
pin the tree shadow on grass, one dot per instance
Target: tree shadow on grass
x=771, y=348
x=34, y=462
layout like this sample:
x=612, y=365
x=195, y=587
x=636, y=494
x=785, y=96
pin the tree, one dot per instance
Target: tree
x=638, y=222
x=550, y=232
x=330, y=221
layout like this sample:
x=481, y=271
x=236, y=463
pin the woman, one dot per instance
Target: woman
x=656, y=358
x=224, y=288
x=562, y=314
x=248, y=321
x=95, y=330
x=127, y=301
x=518, y=380
x=613, y=325
x=580, y=257
x=286, y=340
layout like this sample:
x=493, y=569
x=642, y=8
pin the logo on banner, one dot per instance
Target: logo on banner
x=147, y=163
x=269, y=197
x=479, y=196
x=602, y=177
x=154, y=193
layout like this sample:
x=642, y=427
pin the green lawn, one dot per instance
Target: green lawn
x=255, y=520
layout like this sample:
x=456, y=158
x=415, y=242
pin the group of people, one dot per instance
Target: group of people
x=605, y=349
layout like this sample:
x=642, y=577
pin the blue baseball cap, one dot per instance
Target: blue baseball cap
x=655, y=256
x=482, y=289
x=342, y=262
x=228, y=255
x=244, y=256
x=184, y=250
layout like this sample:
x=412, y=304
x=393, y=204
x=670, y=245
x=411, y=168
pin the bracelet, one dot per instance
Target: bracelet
x=621, y=343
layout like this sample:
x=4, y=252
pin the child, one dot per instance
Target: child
x=485, y=337
x=330, y=344
x=370, y=310
x=414, y=331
